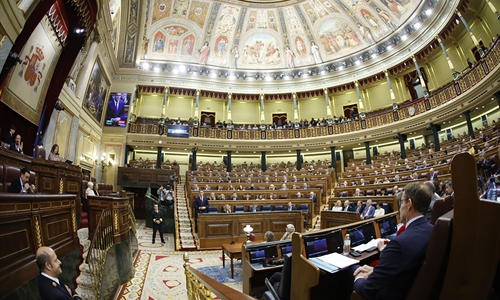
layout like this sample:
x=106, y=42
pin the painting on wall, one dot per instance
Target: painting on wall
x=29, y=82
x=96, y=93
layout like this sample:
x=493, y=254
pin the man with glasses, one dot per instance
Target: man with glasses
x=403, y=256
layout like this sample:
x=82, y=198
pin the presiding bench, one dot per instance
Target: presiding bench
x=217, y=229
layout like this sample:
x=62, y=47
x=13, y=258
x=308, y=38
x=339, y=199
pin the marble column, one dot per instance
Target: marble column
x=493, y=9
x=299, y=160
x=130, y=117
x=360, y=101
x=469, y=123
x=229, y=166
x=497, y=96
x=421, y=77
x=295, y=110
x=402, y=139
x=450, y=64
x=196, y=120
x=391, y=91
x=229, y=119
x=193, y=158
x=161, y=126
x=262, y=115
x=368, y=155
x=435, y=132
x=328, y=109
x=159, y=159
x=473, y=37
x=334, y=160
x=263, y=162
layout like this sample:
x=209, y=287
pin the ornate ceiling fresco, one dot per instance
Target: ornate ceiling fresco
x=263, y=45
x=274, y=36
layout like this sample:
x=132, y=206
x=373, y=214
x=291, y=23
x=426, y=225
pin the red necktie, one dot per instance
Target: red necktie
x=401, y=229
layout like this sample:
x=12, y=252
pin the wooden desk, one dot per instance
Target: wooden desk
x=217, y=229
x=233, y=251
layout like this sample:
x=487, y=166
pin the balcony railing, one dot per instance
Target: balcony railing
x=378, y=118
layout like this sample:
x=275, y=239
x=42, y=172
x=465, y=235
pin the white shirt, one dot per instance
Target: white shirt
x=51, y=278
x=337, y=208
x=379, y=212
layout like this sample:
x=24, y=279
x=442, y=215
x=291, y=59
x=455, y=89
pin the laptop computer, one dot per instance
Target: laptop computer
x=361, y=234
x=323, y=244
x=388, y=227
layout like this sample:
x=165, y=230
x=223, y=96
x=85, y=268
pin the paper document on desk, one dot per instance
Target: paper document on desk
x=363, y=247
x=338, y=260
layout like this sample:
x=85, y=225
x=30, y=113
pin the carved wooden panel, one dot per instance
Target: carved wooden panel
x=56, y=227
x=221, y=229
x=16, y=241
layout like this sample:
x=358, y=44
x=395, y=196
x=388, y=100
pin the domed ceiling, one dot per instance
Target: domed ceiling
x=266, y=34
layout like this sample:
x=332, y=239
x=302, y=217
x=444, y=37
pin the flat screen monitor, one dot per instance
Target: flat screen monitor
x=286, y=248
x=388, y=226
x=361, y=234
x=258, y=254
x=117, y=109
x=181, y=131
x=325, y=243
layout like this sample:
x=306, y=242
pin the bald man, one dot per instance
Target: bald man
x=48, y=283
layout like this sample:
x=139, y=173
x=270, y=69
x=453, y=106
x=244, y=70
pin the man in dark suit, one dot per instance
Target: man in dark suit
x=17, y=146
x=157, y=223
x=16, y=186
x=48, y=284
x=402, y=257
x=347, y=206
x=201, y=203
x=11, y=136
x=369, y=210
x=116, y=110
x=433, y=176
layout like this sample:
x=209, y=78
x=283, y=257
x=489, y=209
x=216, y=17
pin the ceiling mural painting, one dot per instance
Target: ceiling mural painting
x=231, y=35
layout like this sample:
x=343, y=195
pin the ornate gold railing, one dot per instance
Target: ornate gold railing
x=201, y=287
x=102, y=241
x=131, y=219
x=438, y=97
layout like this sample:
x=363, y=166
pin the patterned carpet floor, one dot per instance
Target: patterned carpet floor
x=159, y=271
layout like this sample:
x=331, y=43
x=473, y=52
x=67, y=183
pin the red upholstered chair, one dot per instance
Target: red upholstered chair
x=1, y=179
x=40, y=152
x=10, y=173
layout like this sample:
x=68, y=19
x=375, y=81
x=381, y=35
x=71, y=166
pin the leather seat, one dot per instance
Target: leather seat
x=266, y=207
x=285, y=283
x=441, y=207
x=239, y=208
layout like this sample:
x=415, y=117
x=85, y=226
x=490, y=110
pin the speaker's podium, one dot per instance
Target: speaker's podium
x=168, y=214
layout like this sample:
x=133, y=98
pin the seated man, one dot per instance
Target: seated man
x=49, y=285
x=17, y=184
x=369, y=210
x=402, y=257
x=17, y=145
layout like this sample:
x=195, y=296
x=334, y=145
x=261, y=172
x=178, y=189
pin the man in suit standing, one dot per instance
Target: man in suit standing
x=369, y=210
x=48, y=284
x=17, y=146
x=201, y=203
x=116, y=109
x=402, y=257
x=157, y=223
x=16, y=186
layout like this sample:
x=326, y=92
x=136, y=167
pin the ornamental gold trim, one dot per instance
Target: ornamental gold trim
x=38, y=231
